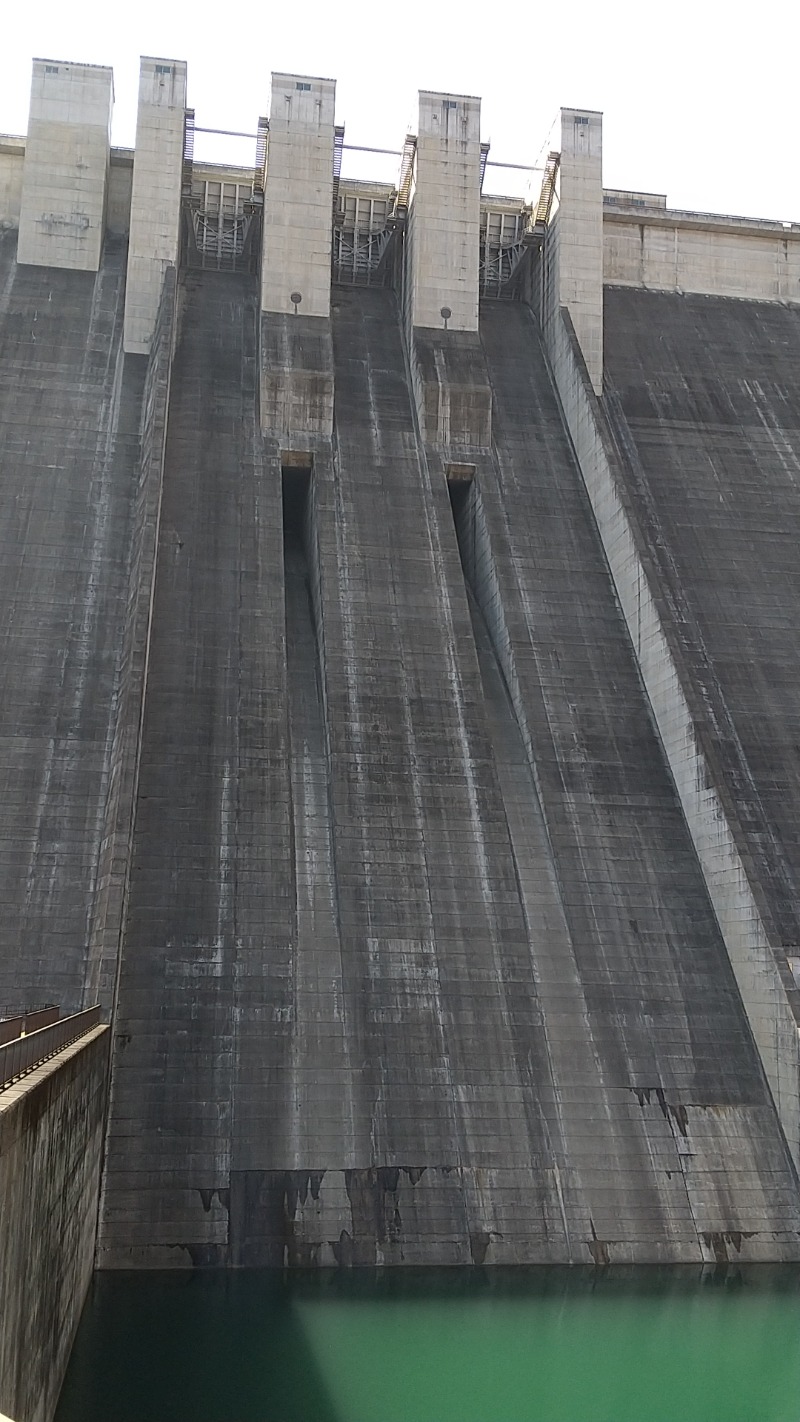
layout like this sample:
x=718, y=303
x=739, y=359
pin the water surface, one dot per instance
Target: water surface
x=524, y=1345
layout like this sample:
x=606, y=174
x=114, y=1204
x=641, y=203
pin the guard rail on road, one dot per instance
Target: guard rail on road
x=25, y=1053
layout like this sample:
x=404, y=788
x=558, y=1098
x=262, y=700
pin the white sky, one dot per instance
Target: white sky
x=700, y=99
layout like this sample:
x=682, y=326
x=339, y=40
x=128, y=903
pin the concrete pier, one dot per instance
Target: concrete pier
x=63, y=203
x=441, y=291
x=156, y=195
x=576, y=239
x=296, y=355
x=443, y=226
x=298, y=196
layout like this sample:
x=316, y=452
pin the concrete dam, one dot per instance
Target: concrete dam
x=400, y=721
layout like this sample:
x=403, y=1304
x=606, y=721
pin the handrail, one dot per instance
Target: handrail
x=23, y=1022
x=22, y=1055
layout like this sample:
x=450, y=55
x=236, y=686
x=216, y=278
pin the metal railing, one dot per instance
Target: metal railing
x=30, y=1021
x=22, y=1055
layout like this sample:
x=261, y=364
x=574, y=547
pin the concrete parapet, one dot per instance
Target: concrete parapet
x=63, y=206
x=296, y=377
x=298, y=196
x=662, y=250
x=51, y=1136
x=577, y=235
x=444, y=222
x=12, y=163
x=156, y=195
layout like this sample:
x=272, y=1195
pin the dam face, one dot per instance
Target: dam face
x=400, y=731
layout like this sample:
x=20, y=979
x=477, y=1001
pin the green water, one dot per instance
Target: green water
x=545, y=1345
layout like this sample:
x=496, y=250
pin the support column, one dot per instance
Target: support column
x=441, y=292
x=580, y=233
x=67, y=153
x=296, y=348
x=156, y=196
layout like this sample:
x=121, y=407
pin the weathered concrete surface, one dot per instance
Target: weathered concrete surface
x=51, y=1141
x=659, y=994
x=420, y=965
x=709, y=458
x=69, y=435
x=203, y=976
x=649, y=601
x=434, y=988
x=454, y=401
x=296, y=378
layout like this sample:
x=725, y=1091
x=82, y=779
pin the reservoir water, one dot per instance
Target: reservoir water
x=524, y=1345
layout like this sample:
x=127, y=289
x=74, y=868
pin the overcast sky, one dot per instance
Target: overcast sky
x=700, y=100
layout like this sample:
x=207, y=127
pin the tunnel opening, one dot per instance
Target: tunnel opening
x=295, y=490
x=303, y=672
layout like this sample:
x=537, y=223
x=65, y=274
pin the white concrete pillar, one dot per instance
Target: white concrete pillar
x=580, y=233
x=156, y=197
x=298, y=196
x=444, y=223
x=67, y=152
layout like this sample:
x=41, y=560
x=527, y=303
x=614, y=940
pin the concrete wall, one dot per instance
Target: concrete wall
x=444, y=221
x=298, y=196
x=62, y=217
x=51, y=1136
x=688, y=252
x=12, y=156
x=156, y=196
x=761, y=977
